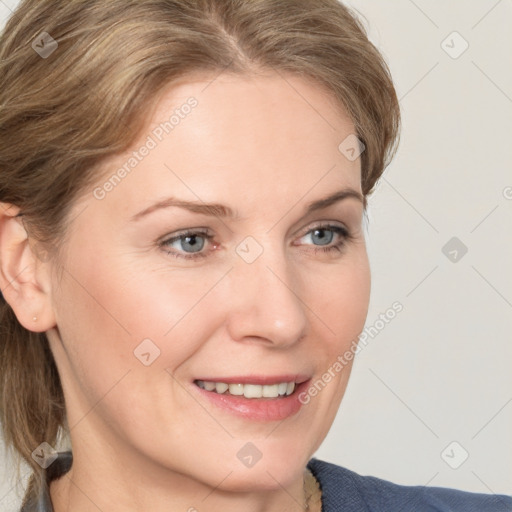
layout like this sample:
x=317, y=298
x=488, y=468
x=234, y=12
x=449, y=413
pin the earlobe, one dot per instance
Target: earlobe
x=24, y=279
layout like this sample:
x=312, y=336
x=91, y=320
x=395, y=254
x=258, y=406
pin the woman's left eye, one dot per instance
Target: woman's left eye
x=322, y=237
x=190, y=244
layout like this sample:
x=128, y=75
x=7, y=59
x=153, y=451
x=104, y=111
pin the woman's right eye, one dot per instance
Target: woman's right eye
x=188, y=245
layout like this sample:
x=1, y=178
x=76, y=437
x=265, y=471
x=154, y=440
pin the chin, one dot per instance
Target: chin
x=267, y=465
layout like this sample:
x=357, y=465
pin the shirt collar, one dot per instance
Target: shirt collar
x=43, y=502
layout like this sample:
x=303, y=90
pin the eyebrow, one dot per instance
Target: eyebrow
x=220, y=210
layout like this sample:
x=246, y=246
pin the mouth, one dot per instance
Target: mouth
x=255, y=398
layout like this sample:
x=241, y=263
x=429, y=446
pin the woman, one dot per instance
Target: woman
x=182, y=256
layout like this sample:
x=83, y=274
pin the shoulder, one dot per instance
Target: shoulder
x=346, y=490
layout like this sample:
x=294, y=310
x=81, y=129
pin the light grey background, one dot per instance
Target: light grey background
x=439, y=373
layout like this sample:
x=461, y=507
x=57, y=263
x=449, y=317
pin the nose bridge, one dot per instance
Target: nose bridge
x=267, y=303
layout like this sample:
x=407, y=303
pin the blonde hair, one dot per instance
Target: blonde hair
x=62, y=113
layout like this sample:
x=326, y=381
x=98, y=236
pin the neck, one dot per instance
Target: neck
x=116, y=485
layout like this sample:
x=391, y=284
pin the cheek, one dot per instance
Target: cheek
x=340, y=302
x=110, y=310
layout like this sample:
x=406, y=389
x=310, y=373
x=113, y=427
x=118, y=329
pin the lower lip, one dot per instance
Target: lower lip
x=259, y=409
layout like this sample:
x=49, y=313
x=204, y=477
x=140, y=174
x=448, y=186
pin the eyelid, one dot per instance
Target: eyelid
x=207, y=232
x=325, y=224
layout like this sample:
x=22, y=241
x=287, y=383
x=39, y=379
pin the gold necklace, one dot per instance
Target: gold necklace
x=312, y=491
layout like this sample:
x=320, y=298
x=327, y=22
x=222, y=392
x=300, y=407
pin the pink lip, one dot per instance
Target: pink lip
x=257, y=409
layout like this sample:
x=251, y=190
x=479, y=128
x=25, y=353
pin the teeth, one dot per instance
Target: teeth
x=253, y=391
x=220, y=387
x=236, y=389
x=249, y=390
x=270, y=391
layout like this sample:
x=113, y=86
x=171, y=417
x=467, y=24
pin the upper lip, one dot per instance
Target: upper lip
x=259, y=379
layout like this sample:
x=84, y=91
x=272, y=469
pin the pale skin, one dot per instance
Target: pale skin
x=142, y=438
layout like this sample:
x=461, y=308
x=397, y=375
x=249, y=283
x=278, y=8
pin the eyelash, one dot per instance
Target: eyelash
x=342, y=232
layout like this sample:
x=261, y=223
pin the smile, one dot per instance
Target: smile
x=248, y=390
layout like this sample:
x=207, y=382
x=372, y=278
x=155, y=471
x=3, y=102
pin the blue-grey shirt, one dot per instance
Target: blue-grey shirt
x=344, y=491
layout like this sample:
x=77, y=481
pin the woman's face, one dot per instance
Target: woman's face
x=261, y=290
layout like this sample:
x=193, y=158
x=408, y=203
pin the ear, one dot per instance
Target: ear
x=24, y=277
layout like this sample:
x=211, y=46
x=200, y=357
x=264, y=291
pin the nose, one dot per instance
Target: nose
x=265, y=302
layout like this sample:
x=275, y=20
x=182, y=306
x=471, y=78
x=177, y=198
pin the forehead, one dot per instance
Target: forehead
x=238, y=140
